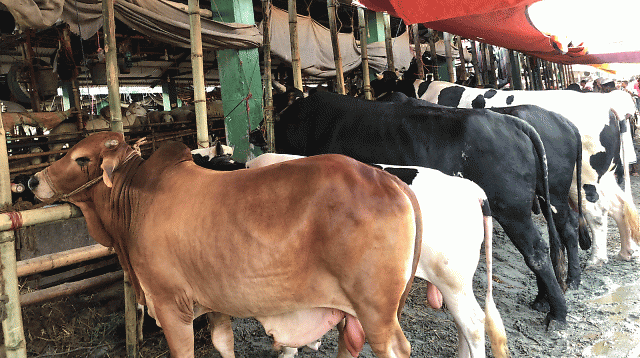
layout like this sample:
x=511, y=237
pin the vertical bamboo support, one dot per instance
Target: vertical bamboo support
x=197, y=65
x=388, y=42
x=449, y=56
x=111, y=55
x=295, y=45
x=434, y=56
x=463, y=62
x=363, y=26
x=268, y=78
x=476, y=65
x=418, y=50
x=331, y=8
x=491, y=60
x=12, y=327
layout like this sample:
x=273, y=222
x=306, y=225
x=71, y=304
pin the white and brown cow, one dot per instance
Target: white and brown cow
x=307, y=245
x=450, y=250
x=599, y=117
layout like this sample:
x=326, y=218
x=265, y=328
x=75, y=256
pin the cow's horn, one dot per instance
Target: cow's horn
x=111, y=143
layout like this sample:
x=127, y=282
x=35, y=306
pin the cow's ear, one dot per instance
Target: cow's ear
x=108, y=166
x=109, y=161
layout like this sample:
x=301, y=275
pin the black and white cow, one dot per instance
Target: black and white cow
x=501, y=153
x=597, y=116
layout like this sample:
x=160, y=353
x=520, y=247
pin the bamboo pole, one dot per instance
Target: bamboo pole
x=295, y=45
x=38, y=216
x=12, y=328
x=268, y=86
x=331, y=8
x=463, y=62
x=434, y=56
x=111, y=55
x=491, y=60
x=197, y=65
x=388, y=41
x=476, y=65
x=418, y=50
x=363, y=26
x=69, y=288
x=62, y=259
x=449, y=56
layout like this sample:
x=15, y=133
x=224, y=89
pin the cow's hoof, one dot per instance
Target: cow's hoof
x=540, y=306
x=595, y=263
x=573, y=284
x=554, y=324
x=625, y=256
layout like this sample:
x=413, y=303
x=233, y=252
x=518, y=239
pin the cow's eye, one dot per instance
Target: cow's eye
x=82, y=161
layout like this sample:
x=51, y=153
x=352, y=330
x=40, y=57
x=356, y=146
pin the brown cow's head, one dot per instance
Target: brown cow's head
x=94, y=157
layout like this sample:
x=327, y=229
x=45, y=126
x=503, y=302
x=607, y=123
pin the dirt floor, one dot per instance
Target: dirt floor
x=603, y=319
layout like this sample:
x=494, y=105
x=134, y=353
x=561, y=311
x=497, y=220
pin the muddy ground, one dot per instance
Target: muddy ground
x=603, y=319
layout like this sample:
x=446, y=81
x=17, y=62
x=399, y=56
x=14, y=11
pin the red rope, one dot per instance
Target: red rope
x=16, y=220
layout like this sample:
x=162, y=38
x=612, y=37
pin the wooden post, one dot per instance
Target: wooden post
x=363, y=25
x=516, y=70
x=331, y=8
x=111, y=55
x=476, y=66
x=388, y=42
x=197, y=65
x=66, y=38
x=295, y=46
x=418, y=50
x=268, y=76
x=28, y=54
x=12, y=328
x=449, y=56
x=463, y=62
x=434, y=56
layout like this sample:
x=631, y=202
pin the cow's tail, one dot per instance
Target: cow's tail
x=417, y=241
x=493, y=322
x=584, y=235
x=630, y=212
x=557, y=254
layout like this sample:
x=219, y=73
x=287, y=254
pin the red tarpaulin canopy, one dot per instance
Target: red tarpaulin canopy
x=502, y=23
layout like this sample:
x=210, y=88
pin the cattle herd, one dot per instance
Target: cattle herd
x=363, y=197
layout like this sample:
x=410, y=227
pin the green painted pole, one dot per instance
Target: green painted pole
x=516, y=70
x=388, y=42
x=12, y=328
x=241, y=83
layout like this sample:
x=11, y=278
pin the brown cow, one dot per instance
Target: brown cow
x=300, y=249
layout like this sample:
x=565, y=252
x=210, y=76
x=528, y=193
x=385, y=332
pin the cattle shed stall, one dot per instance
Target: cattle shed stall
x=536, y=74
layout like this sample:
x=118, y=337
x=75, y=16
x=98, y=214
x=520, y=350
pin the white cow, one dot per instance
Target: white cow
x=455, y=214
x=592, y=114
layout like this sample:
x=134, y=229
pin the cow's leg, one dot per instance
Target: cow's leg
x=177, y=325
x=597, y=219
x=569, y=236
x=221, y=333
x=525, y=236
x=469, y=320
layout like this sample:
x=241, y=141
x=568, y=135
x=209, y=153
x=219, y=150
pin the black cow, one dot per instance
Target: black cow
x=502, y=154
x=563, y=146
